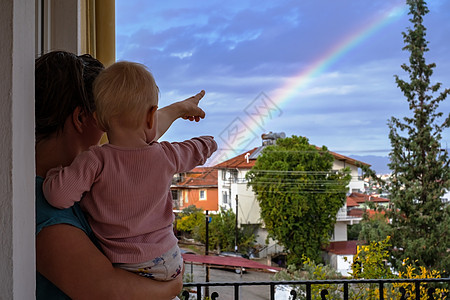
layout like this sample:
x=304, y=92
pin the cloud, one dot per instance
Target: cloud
x=237, y=49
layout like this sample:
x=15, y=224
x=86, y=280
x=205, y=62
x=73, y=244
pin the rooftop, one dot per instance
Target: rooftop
x=198, y=178
x=362, y=198
x=247, y=159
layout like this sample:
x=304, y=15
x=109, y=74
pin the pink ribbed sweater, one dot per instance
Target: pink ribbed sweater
x=127, y=195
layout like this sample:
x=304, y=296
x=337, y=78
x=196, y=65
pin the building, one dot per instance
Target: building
x=339, y=255
x=234, y=193
x=197, y=187
x=358, y=203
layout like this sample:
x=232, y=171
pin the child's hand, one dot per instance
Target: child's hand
x=190, y=110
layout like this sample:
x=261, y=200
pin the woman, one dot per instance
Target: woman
x=68, y=262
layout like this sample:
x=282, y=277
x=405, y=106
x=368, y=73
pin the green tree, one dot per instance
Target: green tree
x=190, y=219
x=374, y=228
x=370, y=262
x=299, y=195
x=221, y=229
x=310, y=270
x=222, y=233
x=420, y=168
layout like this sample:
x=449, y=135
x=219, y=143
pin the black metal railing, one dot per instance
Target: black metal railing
x=306, y=289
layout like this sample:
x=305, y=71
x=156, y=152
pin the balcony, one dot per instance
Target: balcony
x=341, y=289
x=342, y=216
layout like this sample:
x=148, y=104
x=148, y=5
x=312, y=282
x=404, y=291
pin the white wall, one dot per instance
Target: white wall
x=344, y=267
x=339, y=263
x=249, y=210
x=17, y=259
x=20, y=21
x=340, y=231
x=222, y=186
x=355, y=183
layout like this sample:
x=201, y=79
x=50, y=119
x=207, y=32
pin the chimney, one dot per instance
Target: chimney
x=271, y=137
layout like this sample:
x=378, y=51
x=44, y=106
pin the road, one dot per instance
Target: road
x=227, y=293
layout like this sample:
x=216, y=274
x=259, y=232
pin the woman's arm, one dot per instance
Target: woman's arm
x=68, y=258
x=187, y=109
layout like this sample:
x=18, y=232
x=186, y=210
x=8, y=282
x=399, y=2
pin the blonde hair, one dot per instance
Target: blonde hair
x=125, y=92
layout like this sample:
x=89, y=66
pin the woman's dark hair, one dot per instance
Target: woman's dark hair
x=63, y=82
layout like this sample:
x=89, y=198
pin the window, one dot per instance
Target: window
x=174, y=194
x=186, y=198
x=225, y=197
x=233, y=175
x=202, y=195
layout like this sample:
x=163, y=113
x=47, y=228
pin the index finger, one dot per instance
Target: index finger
x=199, y=96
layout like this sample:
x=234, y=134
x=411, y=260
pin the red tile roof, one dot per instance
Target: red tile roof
x=356, y=212
x=362, y=198
x=200, y=170
x=240, y=161
x=347, y=159
x=359, y=212
x=351, y=202
x=199, y=177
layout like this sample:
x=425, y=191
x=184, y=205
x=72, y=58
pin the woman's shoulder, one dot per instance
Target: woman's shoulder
x=47, y=215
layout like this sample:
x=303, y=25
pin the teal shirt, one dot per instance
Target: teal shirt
x=47, y=215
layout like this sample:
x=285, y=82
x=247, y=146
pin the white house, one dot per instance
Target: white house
x=234, y=194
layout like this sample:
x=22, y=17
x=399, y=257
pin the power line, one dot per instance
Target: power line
x=331, y=172
x=241, y=150
x=305, y=192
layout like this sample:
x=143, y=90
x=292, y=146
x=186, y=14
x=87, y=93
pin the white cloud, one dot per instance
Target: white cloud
x=182, y=55
x=236, y=49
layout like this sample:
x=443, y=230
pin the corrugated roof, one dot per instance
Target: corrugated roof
x=227, y=261
x=343, y=247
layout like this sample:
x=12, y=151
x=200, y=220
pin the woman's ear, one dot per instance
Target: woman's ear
x=78, y=119
x=151, y=116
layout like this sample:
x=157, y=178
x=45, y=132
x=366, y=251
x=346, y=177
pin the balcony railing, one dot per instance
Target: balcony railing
x=383, y=288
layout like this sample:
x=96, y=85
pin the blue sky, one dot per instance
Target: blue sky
x=244, y=52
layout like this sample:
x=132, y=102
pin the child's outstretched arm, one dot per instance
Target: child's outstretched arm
x=187, y=109
x=186, y=155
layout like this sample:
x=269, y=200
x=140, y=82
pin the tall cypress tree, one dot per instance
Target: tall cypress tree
x=421, y=172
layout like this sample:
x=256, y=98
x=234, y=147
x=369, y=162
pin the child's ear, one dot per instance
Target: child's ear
x=151, y=116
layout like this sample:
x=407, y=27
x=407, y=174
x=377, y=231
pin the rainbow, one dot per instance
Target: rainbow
x=338, y=51
x=296, y=83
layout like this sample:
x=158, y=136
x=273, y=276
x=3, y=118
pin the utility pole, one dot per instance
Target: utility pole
x=207, y=252
x=229, y=189
x=236, y=227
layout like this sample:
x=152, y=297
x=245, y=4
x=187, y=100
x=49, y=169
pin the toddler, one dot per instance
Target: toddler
x=124, y=186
